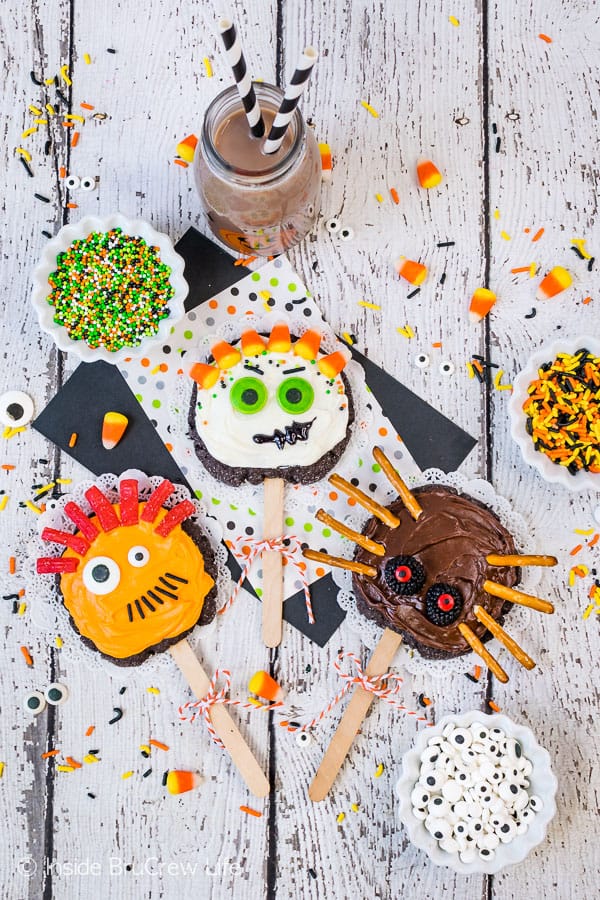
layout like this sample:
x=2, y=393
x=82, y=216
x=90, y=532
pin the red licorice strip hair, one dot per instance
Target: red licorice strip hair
x=128, y=501
x=175, y=516
x=47, y=565
x=73, y=541
x=102, y=507
x=156, y=500
x=79, y=518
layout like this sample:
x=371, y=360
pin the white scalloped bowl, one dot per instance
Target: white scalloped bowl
x=549, y=471
x=62, y=241
x=542, y=782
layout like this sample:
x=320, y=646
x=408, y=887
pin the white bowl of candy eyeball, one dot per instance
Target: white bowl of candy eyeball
x=477, y=792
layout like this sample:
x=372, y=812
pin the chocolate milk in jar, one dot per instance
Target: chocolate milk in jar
x=257, y=204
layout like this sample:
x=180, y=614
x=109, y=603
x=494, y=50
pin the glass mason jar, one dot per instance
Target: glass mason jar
x=257, y=204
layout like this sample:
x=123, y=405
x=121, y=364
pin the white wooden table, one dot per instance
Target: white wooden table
x=447, y=91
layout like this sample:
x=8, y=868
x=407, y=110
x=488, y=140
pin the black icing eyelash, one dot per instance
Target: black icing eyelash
x=293, y=371
x=252, y=368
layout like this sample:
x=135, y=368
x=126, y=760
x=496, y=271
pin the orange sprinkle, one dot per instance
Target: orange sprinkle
x=245, y=260
x=158, y=744
x=62, y=172
x=395, y=196
x=520, y=269
x=594, y=540
x=73, y=439
x=87, y=106
x=576, y=550
x=437, y=345
x=71, y=206
x=22, y=592
x=12, y=565
x=90, y=730
x=68, y=124
x=75, y=139
x=49, y=753
x=493, y=706
x=180, y=162
x=586, y=300
x=477, y=672
x=27, y=656
x=251, y=812
x=544, y=37
x=537, y=236
x=74, y=763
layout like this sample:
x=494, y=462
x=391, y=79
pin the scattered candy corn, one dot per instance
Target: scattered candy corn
x=308, y=345
x=428, y=174
x=204, y=375
x=252, y=343
x=187, y=147
x=332, y=365
x=279, y=339
x=326, y=166
x=557, y=280
x=179, y=782
x=114, y=426
x=481, y=303
x=414, y=272
x=225, y=355
x=265, y=686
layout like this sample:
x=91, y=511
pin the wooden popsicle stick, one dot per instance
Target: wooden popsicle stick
x=338, y=562
x=497, y=559
x=478, y=648
x=507, y=593
x=405, y=494
x=272, y=563
x=241, y=754
x=355, y=536
x=352, y=719
x=511, y=645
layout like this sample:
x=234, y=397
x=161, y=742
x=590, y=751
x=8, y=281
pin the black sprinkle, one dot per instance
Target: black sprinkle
x=297, y=302
x=42, y=198
x=294, y=724
x=578, y=252
x=145, y=754
x=312, y=873
x=478, y=375
x=118, y=715
x=15, y=607
x=10, y=597
x=591, y=263
x=62, y=97
x=35, y=80
x=94, y=752
x=47, y=147
x=123, y=689
x=446, y=244
x=164, y=778
x=26, y=166
x=443, y=278
x=308, y=668
x=413, y=293
x=497, y=145
x=494, y=128
x=422, y=701
x=93, y=796
x=110, y=50
x=532, y=314
x=472, y=678
x=146, y=773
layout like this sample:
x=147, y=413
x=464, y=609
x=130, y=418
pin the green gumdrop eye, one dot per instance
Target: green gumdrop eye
x=295, y=395
x=248, y=395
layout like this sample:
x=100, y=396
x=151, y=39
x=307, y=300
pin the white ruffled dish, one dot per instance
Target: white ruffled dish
x=542, y=783
x=80, y=230
x=548, y=470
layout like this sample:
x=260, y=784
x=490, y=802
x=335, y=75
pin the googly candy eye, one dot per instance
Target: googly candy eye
x=16, y=409
x=535, y=803
x=433, y=781
x=452, y=791
x=449, y=845
x=333, y=225
x=479, y=731
x=303, y=739
x=101, y=575
x=88, y=183
x=72, y=182
x=420, y=797
x=439, y=808
x=295, y=395
x=248, y=395
x=460, y=737
x=34, y=702
x=56, y=693
x=438, y=828
x=138, y=556
x=447, y=367
x=419, y=813
x=346, y=234
x=421, y=361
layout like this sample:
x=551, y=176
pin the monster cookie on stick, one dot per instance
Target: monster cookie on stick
x=136, y=577
x=436, y=569
x=271, y=409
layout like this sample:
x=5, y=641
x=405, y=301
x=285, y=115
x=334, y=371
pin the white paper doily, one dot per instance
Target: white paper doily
x=519, y=620
x=48, y=612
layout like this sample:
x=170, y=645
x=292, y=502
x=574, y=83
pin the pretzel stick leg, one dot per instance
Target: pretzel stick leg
x=511, y=645
x=478, y=648
x=376, y=509
x=338, y=562
x=497, y=559
x=506, y=593
x=405, y=494
x=354, y=536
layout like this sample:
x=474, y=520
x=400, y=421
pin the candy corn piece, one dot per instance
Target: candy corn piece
x=266, y=687
x=557, y=280
x=204, y=375
x=179, y=782
x=413, y=272
x=187, y=147
x=308, y=345
x=279, y=340
x=252, y=343
x=326, y=166
x=429, y=175
x=481, y=303
x=225, y=355
x=333, y=364
x=113, y=429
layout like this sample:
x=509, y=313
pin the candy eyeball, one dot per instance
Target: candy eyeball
x=101, y=575
x=56, y=693
x=433, y=781
x=34, y=702
x=333, y=225
x=447, y=367
x=138, y=556
x=420, y=797
x=346, y=234
x=303, y=739
x=421, y=361
x=460, y=737
x=535, y=803
x=72, y=182
x=16, y=409
x=88, y=183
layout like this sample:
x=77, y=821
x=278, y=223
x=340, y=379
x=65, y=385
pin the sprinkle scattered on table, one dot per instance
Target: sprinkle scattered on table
x=369, y=109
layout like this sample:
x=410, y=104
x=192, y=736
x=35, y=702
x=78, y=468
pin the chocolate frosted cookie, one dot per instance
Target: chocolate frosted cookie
x=271, y=408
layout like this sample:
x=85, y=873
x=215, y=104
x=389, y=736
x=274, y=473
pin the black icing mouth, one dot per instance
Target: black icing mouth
x=297, y=431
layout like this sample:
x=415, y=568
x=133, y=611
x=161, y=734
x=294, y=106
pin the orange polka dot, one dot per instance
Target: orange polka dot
x=399, y=439
x=527, y=230
x=231, y=310
x=351, y=501
x=169, y=447
x=302, y=566
x=333, y=495
x=319, y=572
x=145, y=361
x=127, y=359
x=383, y=432
x=246, y=550
x=213, y=304
x=284, y=561
x=163, y=367
x=180, y=371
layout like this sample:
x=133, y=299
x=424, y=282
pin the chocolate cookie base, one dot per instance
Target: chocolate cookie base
x=209, y=608
x=292, y=474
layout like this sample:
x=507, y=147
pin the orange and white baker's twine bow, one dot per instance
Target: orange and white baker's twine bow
x=289, y=547
x=201, y=708
x=386, y=687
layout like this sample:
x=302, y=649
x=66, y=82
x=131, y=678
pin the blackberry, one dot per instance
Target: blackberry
x=404, y=575
x=443, y=604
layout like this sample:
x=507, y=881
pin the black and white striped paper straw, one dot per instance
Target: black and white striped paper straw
x=290, y=100
x=233, y=48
